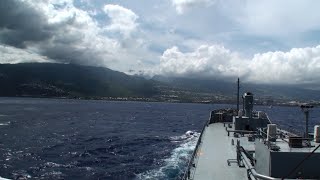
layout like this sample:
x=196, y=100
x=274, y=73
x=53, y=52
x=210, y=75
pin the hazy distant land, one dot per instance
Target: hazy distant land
x=87, y=82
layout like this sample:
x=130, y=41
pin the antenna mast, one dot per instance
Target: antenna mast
x=238, y=94
x=305, y=109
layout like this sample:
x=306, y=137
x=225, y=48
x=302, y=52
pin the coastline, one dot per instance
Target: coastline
x=288, y=103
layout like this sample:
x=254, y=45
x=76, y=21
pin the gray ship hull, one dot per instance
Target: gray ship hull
x=248, y=146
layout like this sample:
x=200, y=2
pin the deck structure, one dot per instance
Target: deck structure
x=214, y=151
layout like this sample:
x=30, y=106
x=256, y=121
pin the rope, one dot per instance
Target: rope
x=301, y=162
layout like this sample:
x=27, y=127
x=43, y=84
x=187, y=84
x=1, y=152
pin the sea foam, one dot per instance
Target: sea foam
x=176, y=164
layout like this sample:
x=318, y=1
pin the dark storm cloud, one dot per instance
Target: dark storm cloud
x=20, y=23
x=67, y=53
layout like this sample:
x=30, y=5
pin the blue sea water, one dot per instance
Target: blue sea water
x=87, y=139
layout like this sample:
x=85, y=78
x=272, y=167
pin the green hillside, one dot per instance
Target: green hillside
x=67, y=80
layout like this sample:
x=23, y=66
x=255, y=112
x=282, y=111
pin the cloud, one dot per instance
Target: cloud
x=182, y=6
x=122, y=20
x=64, y=33
x=297, y=66
x=205, y=61
x=12, y=55
x=159, y=41
x=21, y=23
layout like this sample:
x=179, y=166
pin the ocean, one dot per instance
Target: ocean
x=91, y=139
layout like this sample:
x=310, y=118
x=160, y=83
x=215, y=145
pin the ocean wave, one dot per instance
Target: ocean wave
x=175, y=165
x=5, y=123
x=21, y=174
x=53, y=175
x=54, y=165
x=189, y=135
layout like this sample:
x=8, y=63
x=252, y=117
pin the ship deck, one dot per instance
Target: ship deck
x=214, y=151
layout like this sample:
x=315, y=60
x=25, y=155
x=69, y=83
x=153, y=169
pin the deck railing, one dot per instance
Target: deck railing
x=186, y=174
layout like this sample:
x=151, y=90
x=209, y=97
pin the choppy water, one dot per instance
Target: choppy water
x=78, y=139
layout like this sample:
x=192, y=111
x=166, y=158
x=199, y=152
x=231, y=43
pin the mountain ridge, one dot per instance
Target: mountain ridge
x=228, y=88
x=70, y=80
x=77, y=81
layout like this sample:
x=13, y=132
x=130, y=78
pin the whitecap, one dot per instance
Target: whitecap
x=5, y=123
x=53, y=174
x=52, y=164
x=185, y=136
x=176, y=164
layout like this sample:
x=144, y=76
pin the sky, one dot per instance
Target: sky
x=271, y=41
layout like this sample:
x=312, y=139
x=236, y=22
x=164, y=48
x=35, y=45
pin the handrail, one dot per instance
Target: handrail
x=187, y=172
x=266, y=116
x=252, y=159
x=253, y=170
x=241, y=131
x=264, y=133
x=247, y=161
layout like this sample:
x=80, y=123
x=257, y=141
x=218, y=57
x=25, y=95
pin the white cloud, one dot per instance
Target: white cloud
x=122, y=19
x=299, y=65
x=12, y=55
x=205, y=61
x=184, y=5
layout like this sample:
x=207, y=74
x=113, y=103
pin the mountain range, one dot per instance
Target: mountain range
x=76, y=81
x=228, y=88
x=69, y=80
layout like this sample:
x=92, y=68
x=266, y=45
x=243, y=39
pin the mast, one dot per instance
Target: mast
x=305, y=109
x=238, y=94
